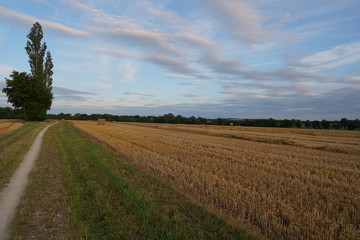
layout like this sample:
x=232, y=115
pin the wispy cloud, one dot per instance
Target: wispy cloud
x=355, y=79
x=155, y=12
x=130, y=72
x=139, y=94
x=151, y=41
x=178, y=76
x=191, y=96
x=231, y=49
x=174, y=65
x=61, y=93
x=196, y=40
x=98, y=16
x=171, y=64
x=100, y=85
x=240, y=18
x=26, y=20
x=334, y=57
x=6, y=70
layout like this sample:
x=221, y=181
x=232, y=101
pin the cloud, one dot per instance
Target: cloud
x=333, y=104
x=98, y=16
x=354, y=79
x=139, y=94
x=195, y=40
x=334, y=57
x=283, y=74
x=281, y=84
x=100, y=85
x=186, y=83
x=166, y=17
x=2, y=85
x=178, y=76
x=26, y=20
x=239, y=18
x=130, y=72
x=6, y=70
x=62, y=93
x=115, y=52
x=141, y=38
x=190, y=95
x=173, y=65
x=207, y=53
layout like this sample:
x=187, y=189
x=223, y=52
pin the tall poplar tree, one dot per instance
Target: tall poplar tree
x=32, y=92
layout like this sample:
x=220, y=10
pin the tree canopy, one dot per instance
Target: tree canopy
x=31, y=93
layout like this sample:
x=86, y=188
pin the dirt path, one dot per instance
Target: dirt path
x=11, y=195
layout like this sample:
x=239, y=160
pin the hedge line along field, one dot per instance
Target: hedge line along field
x=284, y=183
x=7, y=126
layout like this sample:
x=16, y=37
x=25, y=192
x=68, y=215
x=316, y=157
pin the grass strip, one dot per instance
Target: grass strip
x=13, y=147
x=111, y=199
x=16, y=134
x=43, y=212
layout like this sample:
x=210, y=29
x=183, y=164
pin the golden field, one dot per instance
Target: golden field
x=7, y=125
x=283, y=183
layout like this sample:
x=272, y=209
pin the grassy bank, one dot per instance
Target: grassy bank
x=13, y=147
x=108, y=198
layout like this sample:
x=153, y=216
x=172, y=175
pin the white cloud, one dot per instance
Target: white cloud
x=115, y=52
x=27, y=20
x=156, y=12
x=139, y=94
x=194, y=39
x=100, y=85
x=6, y=70
x=141, y=38
x=171, y=64
x=98, y=16
x=240, y=19
x=354, y=79
x=334, y=57
x=130, y=70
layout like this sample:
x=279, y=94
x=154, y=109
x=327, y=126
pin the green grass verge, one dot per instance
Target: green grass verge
x=13, y=147
x=111, y=199
x=43, y=212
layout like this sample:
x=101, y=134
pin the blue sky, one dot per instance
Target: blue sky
x=228, y=58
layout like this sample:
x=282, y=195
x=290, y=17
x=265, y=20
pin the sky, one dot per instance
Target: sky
x=230, y=58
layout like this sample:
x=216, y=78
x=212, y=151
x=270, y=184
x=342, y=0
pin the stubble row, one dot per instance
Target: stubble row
x=285, y=192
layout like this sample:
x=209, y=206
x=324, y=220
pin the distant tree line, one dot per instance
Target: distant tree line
x=343, y=124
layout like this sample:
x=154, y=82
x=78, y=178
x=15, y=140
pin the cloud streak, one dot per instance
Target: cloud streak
x=170, y=64
x=240, y=19
x=26, y=20
x=151, y=41
x=334, y=57
x=6, y=70
x=98, y=16
x=61, y=93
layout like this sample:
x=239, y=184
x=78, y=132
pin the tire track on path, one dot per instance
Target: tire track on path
x=11, y=195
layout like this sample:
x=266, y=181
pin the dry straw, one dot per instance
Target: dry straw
x=101, y=121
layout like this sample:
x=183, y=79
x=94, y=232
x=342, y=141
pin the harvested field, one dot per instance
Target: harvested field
x=7, y=125
x=285, y=183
